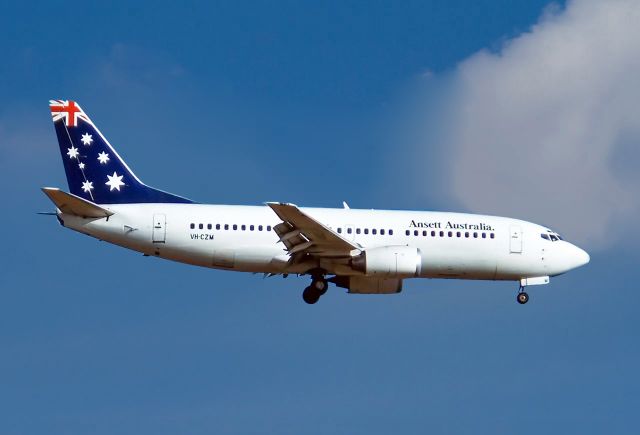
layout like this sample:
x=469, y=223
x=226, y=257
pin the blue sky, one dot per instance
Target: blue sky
x=290, y=101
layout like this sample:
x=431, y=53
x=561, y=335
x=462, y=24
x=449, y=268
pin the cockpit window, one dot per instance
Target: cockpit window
x=551, y=236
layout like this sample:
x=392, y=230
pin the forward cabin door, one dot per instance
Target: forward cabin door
x=159, y=228
x=515, y=242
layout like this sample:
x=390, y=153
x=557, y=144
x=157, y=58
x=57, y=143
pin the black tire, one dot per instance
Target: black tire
x=320, y=285
x=310, y=295
x=522, y=298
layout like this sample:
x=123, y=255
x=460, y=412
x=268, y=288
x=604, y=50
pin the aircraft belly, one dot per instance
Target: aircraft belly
x=517, y=266
x=457, y=264
x=250, y=259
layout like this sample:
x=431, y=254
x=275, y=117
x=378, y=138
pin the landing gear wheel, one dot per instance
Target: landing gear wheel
x=320, y=285
x=523, y=298
x=311, y=295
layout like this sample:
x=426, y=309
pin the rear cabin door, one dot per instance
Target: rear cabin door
x=515, y=242
x=159, y=228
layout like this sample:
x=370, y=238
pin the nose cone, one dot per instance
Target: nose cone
x=563, y=257
x=575, y=257
x=579, y=257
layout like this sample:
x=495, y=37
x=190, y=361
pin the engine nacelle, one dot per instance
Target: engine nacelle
x=391, y=261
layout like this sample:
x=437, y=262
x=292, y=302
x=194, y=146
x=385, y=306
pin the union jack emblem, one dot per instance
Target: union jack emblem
x=67, y=110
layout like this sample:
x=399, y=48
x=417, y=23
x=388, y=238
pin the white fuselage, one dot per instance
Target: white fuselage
x=241, y=238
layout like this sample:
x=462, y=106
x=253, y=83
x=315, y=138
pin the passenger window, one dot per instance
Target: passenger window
x=450, y=234
x=382, y=232
x=374, y=231
x=349, y=230
x=357, y=230
x=484, y=235
x=268, y=227
x=466, y=235
x=235, y=227
x=217, y=226
x=259, y=227
x=441, y=233
x=251, y=228
x=209, y=226
x=458, y=234
x=391, y=232
x=201, y=226
x=415, y=233
x=339, y=230
x=493, y=236
x=424, y=233
x=226, y=226
x=366, y=230
x=475, y=235
x=193, y=226
x=407, y=233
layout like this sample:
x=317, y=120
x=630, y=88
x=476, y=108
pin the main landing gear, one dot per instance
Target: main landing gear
x=318, y=287
x=523, y=296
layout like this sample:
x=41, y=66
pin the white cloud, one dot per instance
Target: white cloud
x=548, y=128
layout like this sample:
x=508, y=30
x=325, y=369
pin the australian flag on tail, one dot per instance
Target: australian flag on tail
x=94, y=169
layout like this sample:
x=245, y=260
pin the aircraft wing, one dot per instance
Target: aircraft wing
x=300, y=233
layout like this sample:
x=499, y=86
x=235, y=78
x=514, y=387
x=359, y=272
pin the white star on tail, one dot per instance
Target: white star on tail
x=87, y=186
x=103, y=158
x=81, y=165
x=115, y=181
x=72, y=152
x=87, y=139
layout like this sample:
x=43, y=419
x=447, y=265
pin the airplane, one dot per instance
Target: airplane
x=363, y=251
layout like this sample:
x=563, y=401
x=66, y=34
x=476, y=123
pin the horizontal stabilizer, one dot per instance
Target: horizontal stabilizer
x=72, y=204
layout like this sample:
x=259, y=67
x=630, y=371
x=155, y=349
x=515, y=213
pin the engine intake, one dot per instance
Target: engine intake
x=391, y=261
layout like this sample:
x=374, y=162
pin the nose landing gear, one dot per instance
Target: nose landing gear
x=318, y=287
x=522, y=297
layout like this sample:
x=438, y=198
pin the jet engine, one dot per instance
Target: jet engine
x=388, y=261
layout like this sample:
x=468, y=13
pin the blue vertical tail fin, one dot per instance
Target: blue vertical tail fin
x=94, y=169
